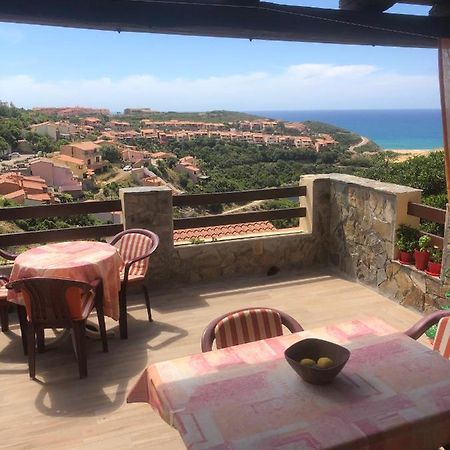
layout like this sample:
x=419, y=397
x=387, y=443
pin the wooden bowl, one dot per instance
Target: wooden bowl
x=315, y=349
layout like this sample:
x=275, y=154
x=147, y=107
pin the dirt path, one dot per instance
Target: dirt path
x=363, y=141
x=240, y=208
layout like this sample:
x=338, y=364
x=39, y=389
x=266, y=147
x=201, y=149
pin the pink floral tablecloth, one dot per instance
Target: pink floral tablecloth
x=394, y=393
x=79, y=260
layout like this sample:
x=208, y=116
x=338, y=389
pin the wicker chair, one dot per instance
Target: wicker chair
x=135, y=247
x=60, y=303
x=247, y=325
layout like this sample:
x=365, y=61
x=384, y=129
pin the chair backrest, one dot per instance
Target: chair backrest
x=247, y=325
x=136, y=243
x=47, y=299
x=442, y=338
x=3, y=290
x=7, y=255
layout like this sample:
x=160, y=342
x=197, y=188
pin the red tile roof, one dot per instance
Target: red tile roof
x=222, y=231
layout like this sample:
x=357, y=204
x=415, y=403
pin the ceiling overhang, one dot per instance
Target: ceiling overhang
x=246, y=19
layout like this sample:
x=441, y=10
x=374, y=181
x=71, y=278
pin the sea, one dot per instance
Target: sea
x=396, y=129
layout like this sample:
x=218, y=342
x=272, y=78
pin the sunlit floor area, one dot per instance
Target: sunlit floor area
x=60, y=411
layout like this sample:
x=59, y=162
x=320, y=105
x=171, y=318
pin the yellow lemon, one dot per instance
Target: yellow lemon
x=325, y=363
x=307, y=362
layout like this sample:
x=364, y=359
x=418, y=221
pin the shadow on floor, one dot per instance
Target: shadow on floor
x=172, y=299
x=62, y=393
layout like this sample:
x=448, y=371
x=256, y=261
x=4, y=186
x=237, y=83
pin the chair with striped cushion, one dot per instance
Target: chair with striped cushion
x=426, y=322
x=247, y=325
x=135, y=247
x=442, y=338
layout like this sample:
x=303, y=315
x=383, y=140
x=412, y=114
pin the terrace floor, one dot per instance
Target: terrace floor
x=60, y=411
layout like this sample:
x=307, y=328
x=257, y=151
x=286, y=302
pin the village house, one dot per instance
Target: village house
x=76, y=165
x=188, y=165
x=258, y=138
x=271, y=139
x=88, y=152
x=303, y=141
x=55, y=130
x=24, y=190
x=92, y=121
x=324, y=141
x=127, y=135
x=165, y=138
x=119, y=126
x=149, y=133
x=137, y=111
x=133, y=155
x=57, y=175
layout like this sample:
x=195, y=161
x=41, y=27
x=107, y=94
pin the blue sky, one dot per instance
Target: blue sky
x=43, y=66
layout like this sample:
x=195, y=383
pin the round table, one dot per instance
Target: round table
x=79, y=260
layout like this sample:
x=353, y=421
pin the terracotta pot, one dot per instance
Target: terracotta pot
x=421, y=259
x=405, y=257
x=434, y=268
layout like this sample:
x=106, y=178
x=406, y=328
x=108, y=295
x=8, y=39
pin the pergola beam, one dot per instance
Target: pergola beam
x=367, y=5
x=266, y=21
x=437, y=7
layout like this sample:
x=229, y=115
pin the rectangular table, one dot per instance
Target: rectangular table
x=394, y=393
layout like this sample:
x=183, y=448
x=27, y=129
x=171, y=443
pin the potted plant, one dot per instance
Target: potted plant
x=434, y=264
x=405, y=242
x=421, y=255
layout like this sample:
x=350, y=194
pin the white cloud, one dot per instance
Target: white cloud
x=304, y=86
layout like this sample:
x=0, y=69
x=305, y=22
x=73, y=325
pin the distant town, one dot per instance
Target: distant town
x=77, y=151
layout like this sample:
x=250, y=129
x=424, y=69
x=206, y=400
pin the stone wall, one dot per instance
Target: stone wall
x=350, y=225
x=363, y=218
x=151, y=208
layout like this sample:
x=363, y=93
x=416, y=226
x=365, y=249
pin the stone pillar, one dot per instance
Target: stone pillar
x=363, y=221
x=317, y=204
x=151, y=208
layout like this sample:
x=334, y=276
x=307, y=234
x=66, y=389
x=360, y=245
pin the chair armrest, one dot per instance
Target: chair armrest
x=8, y=255
x=423, y=324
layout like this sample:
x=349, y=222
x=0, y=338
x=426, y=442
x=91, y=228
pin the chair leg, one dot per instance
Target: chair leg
x=31, y=337
x=4, y=320
x=147, y=303
x=40, y=340
x=22, y=315
x=101, y=323
x=123, y=319
x=79, y=330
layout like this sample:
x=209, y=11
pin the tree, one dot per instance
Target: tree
x=4, y=146
x=111, y=153
x=184, y=180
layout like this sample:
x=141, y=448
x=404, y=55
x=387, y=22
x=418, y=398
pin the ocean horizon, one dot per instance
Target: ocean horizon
x=396, y=129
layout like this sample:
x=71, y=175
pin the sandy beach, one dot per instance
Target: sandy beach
x=410, y=153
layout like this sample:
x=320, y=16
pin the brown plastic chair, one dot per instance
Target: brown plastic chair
x=135, y=247
x=4, y=305
x=255, y=323
x=423, y=324
x=60, y=303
